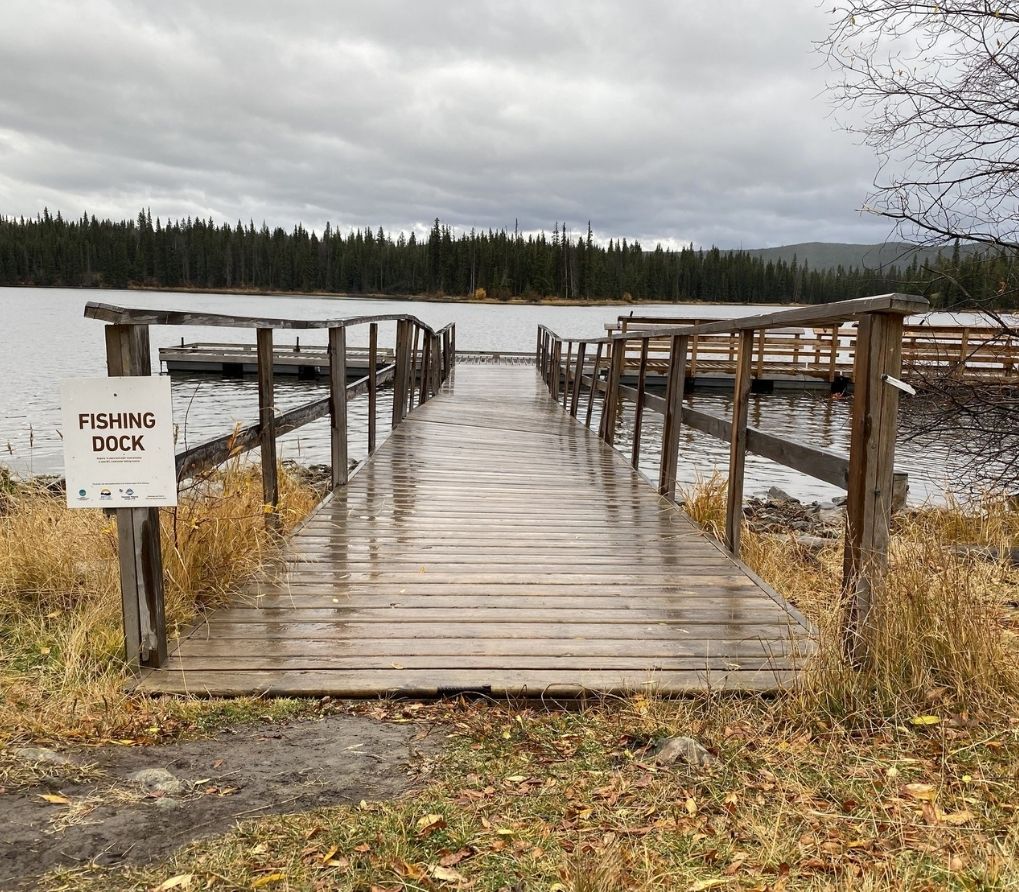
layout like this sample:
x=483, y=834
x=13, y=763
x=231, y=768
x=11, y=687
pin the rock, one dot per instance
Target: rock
x=683, y=749
x=157, y=780
x=40, y=755
x=776, y=494
x=167, y=803
x=812, y=543
x=831, y=516
x=839, y=501
x=800, y=525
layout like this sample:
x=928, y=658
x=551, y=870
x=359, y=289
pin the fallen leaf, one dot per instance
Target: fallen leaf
x=181, y=881
x=267, y=879
x=429, y=824
x=920, y=791
x=957, y=818
x=701, y=885
x=55, y=800
x=920, y=720
x=445, y=874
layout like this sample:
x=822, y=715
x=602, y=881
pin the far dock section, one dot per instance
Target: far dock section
x=303, y=361
x=820, y=356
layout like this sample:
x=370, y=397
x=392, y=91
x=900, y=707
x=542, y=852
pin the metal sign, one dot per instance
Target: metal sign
x=118, y=442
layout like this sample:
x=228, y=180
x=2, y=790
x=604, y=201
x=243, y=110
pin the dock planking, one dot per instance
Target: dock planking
x=493, y=544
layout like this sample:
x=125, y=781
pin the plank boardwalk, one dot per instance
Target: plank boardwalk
x=494, y=544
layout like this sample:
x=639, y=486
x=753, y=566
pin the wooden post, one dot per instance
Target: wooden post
x=138, y=541
x=437, y=376
x=566, y=373
x=578, y=378
x=738, y=441
x=267, y=429
x=400, y=373
x=413, y=371
x=426, y=368
x=594, y=384
x=871, y=470
x=638, y=412
x=338, y=403
x=373, y=382
x=610, y=412
x=557, y=349
x=673, y=417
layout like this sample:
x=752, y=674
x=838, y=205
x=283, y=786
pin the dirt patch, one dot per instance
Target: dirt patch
x=114, y=810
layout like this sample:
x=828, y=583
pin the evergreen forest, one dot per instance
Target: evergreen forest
x=49, y=250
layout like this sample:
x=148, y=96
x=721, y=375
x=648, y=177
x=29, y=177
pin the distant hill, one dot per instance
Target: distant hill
x=828, y=255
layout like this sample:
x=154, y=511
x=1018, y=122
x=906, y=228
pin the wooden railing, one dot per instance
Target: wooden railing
x=867, y=474
x=973, y=352
x=423, y=360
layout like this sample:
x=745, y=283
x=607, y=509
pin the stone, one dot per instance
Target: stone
x=167, y=803
x=683, y=749
x=839, y=501
x=777, y=494
x=812, y=543
x=40, y=755
x=831, y=516
x=157, y=780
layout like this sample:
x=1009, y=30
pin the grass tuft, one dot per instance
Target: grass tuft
x=941, y=632
x=61, y=640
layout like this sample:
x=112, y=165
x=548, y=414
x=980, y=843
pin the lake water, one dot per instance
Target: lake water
x=46, y=339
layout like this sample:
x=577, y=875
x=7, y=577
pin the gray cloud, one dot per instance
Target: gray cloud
x=653, y=119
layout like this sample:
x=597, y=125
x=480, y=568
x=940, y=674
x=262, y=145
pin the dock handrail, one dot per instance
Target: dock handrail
x=424, y=358
x=868, y=476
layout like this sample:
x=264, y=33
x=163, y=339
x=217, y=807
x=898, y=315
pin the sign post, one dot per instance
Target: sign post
x=118, y=442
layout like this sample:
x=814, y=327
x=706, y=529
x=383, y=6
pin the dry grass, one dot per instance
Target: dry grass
x=832, y=787
x=61, y=665
x=572, y=802
x=940, y=632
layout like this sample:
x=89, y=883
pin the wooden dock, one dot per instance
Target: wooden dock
x=494, y=544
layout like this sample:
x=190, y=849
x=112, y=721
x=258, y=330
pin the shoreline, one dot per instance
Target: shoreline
x=416, y=298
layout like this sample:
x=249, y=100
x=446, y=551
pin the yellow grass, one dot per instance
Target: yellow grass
x=61, y=664
x=940, y=630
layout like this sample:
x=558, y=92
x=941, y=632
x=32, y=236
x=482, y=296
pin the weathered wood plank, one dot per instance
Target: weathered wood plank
x=431, y=555
x=139, y=552
x=267, y=429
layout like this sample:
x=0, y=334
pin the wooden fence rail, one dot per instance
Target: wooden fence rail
x=868, y=474
x=423, y=358
x=827, y=351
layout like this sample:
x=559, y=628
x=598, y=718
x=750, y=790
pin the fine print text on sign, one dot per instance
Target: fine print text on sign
x=118, y=443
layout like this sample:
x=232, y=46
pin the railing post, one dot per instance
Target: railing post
x=412, y=372
x=424, y=388
x=338, y=403
x=594, y=384
x=673, y=417
x=139, y=550
x=400, y=373
x=553, y=384
x=267, y=429
x=638, y=412
x=566, y=373
x=871, y=470
x=373, y=382
x=437, y=376
x=578, y=378
x=738, y=441
x=610, y=408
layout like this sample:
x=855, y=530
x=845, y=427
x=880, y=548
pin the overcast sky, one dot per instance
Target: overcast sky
x=672, y=121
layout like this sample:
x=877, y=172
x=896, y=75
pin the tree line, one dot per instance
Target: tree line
x=49, y=250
